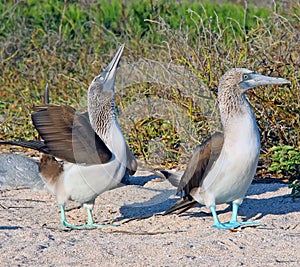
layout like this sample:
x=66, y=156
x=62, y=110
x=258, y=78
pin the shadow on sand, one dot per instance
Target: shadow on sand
x=251, y=207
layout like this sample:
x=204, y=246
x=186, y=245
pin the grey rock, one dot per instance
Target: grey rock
x=17, y=170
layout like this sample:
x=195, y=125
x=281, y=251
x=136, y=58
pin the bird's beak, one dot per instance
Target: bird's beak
x=111, y=71
x=255, y=80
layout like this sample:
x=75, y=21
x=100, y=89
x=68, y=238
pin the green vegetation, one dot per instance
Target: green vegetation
x=285, y=161
x=67, y=43
x=295, y=185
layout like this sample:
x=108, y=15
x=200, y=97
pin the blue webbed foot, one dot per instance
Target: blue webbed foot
x=233, y=223
x=236, y=224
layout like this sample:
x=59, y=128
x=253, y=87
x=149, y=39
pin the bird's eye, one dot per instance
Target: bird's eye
x=98, y=78
x=245, y=76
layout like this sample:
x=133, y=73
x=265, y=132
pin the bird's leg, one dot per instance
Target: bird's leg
x=64, y=220
x=90, y=224
x=90, y=216
x=62, y=214
x=235, y=223
x=217, y=223
x=234, y=214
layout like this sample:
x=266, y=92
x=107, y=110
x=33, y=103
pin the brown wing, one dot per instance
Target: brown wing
x=131, y=165
x=33, y=144
x=203, y=158
x=201, y=162
x=69, y=135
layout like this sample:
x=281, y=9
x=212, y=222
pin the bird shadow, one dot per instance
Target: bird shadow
x=138, y=180
x=277, y=205
x=251, y=207
x=156, y=204
x=260, y=207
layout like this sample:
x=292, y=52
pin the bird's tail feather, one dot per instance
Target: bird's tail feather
x=181, y=206
x=36, y=145
x=173, y=177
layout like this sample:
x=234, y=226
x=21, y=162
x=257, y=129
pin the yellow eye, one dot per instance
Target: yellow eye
x=245, y=76
x=98, y=78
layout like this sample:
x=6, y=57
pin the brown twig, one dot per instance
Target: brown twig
x=143, y=233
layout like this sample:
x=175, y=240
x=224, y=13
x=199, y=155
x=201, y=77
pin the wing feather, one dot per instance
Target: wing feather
x=69, y=135
x=204, y=156
x=201, y=162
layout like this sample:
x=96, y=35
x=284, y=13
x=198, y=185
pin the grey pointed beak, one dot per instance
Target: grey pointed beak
x=255, y=80
x=111, y=71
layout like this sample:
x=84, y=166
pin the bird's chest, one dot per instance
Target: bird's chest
x=238, y=163
x=241, y=141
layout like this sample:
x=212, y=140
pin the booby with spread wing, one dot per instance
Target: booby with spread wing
x=222, y=168
x=91, y=145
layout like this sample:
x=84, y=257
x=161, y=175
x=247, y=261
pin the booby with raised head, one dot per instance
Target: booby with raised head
x=91, y=144
x=223, y=166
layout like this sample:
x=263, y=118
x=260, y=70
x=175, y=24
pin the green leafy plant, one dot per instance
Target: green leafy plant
x=286, y=160
x=295, y=185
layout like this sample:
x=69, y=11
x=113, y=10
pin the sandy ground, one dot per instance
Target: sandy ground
x=31, y=234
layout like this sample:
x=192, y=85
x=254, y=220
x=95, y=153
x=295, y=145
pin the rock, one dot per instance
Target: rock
x=17, y=170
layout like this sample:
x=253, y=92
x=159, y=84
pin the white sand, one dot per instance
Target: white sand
x=31, y=234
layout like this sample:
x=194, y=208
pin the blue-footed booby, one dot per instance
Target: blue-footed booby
x=223, y=166
x=91, y=145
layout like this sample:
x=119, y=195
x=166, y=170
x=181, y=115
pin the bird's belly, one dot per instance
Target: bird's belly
x=85, y=183
x=231, y=176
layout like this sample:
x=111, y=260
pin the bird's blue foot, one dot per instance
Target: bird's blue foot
x=233, y=224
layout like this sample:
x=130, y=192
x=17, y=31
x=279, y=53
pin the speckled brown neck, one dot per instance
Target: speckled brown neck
x=101, y=112
x=231, y=103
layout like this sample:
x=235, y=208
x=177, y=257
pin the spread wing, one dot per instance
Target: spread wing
x=201, y=162
x=69, y=135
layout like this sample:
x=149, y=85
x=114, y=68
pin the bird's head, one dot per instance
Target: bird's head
x=232, y=87
x=104, y=83
x=241, y=79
